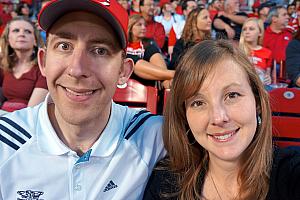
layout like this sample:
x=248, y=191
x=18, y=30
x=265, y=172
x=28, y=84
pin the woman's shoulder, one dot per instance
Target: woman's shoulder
x=163, y=183
x=285, y=174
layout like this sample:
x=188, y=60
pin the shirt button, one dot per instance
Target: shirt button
x=77, y=187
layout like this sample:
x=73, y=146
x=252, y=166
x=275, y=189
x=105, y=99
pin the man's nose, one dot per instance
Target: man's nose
x=79, y=64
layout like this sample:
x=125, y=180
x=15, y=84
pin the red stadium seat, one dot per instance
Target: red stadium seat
x=137, y=95
x=285, y=105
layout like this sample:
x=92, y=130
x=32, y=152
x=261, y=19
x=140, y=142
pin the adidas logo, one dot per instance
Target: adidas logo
x=110, y=185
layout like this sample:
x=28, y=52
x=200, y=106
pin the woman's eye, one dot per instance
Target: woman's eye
x=233, y=95
x=28, y=31
x=196, y=103
x=15, y=30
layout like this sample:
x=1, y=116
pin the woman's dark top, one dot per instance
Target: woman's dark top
x=142, y=50
x=180, y=47
x=284, y=178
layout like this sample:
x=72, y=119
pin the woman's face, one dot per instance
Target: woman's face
x=222, y=115
x=251, y=32
x=21, y=35
x=203, y=21
x=139, y=29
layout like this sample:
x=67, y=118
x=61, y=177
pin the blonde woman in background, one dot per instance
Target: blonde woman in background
x=251, y=43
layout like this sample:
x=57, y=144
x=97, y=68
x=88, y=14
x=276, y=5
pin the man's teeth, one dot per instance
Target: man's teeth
x=224, y=137
x=79, y=93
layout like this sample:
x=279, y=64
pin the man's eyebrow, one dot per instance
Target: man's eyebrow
x=65, y=35
x=102, y=41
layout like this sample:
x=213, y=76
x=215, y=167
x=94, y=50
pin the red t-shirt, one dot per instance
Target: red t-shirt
x=212, y=14
x=20, y=90
x=172, y=38
x=277, y=43
x=261, y=58
x=156, y=31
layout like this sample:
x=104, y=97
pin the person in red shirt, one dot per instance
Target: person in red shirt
x=214, y=7
x=21, y=81
x=251, y=40
x=277, y=36
x=154, y=30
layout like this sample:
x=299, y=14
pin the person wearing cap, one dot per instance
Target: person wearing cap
x=79, y=144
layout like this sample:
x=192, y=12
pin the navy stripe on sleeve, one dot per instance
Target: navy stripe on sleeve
x=9, y=143
x=135, y=117
x=134, y=129
x=12, y=134
x=16, y=126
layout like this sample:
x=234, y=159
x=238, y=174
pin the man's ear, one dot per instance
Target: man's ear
x=126, y=71
x=42, y=60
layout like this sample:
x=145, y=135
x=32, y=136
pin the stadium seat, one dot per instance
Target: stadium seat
x=285, y=105
x=137, y=95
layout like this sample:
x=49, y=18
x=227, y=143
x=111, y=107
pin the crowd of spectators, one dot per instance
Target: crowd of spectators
x=160, y=31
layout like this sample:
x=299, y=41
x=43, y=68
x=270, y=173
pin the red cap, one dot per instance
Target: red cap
x=110, y=10
x=256, y=4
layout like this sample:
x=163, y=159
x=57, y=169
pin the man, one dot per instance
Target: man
x=154, y=30
x=214, y=7
x=277, y=36
x=228, y=24
x=78, y=144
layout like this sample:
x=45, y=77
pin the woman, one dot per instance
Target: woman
x=217, y=133
x=197, y=28
x=21, y=80
x=149, y=64
x=293, y=60
x=251, y=42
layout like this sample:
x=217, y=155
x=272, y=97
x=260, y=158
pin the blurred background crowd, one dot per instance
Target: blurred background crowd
x=159, y=32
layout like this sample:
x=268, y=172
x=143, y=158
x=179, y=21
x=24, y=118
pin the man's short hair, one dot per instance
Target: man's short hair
x=274, y=12
x=184, y=4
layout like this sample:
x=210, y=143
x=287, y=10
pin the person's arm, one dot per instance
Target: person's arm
x=147, y=70
x=239, y=19
x=38, y=95
x=219, y=24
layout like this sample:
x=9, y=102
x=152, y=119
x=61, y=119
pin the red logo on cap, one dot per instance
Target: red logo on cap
x=104, y=2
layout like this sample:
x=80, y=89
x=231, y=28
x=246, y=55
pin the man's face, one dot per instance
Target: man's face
x=191, y=5
x=282, y=19
x=263, y=13
x=217, y=5
x=291, y=9
x=233, y=6
x=83, y=64
x=148, y=8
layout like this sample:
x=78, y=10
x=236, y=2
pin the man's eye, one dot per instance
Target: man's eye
x=63, y=46
x=100, y=51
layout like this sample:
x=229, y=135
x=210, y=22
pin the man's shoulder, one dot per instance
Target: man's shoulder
x=16, y=129
x=143, y=122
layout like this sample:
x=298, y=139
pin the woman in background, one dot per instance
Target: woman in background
x=251, y=42
x=196, y=29
x=218, y=133
x=21, y=80
x=149, y=64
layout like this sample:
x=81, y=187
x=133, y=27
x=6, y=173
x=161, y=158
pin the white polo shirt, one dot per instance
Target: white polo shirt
x=35, y=164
